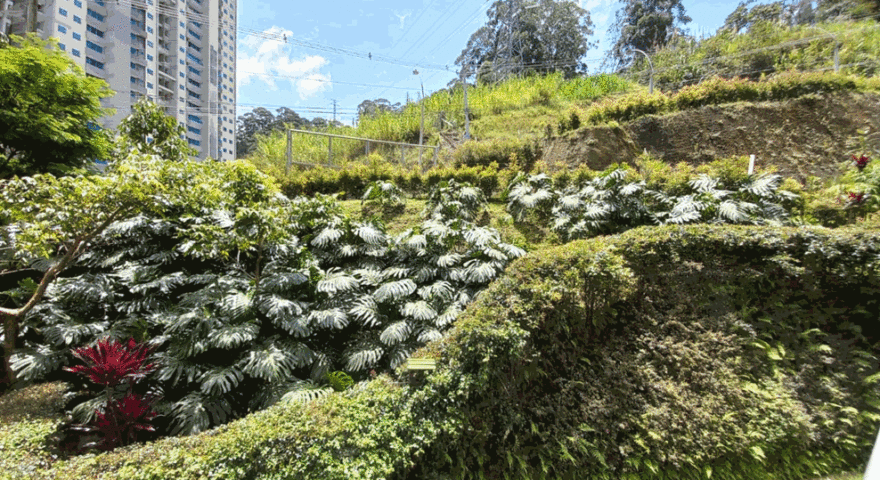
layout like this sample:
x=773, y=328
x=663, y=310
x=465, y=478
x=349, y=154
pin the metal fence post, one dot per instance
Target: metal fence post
x=367, y=148
x=402, y=156
x=329, y=150
x=436, y=149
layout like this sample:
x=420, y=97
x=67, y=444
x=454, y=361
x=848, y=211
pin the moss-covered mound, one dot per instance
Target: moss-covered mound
x=676, y=352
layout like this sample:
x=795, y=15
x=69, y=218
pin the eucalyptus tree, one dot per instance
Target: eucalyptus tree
x=645, y=25
x=523, y=36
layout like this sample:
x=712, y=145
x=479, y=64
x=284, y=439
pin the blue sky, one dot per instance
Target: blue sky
x=328, y=44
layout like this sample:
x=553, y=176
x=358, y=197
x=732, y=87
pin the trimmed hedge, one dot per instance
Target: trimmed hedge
x=674, y=352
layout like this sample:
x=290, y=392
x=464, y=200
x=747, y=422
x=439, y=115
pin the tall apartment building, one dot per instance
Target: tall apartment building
x=178, y=53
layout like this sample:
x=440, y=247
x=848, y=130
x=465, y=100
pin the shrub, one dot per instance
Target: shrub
x=498, y=151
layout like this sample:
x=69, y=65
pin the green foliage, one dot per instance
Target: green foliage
x=716, y=91
x=450, y=201
x=384, y=194
x=676, y=352
x=443, y=110
x=150, y=130
x=340, y=381
x=48, y=109
x=520, y=38
x=611, y=204
x=767, y=48
x=251, y=298
x=505, y=152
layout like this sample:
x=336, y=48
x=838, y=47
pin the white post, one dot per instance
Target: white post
x=751, y=164
x=873, y=470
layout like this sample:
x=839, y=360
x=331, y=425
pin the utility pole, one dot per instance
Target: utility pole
x=422, y=124
x=467, y=124
x=334, y=110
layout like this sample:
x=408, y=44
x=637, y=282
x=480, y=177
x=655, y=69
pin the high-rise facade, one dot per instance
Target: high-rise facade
x=178, y=53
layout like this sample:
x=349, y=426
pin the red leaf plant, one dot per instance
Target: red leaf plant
x=856, y=198
x=861, y=162
x=109, y=364
x=123, y=420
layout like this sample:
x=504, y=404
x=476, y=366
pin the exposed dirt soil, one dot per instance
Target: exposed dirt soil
x=807, y=136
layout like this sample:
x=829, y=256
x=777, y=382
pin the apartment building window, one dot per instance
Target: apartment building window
x=197, y=24
x=97, y=16
x=193, y=130
x=182, y=37
x=62, y=29
x=182, y=75
x=193, y=142
x=193, y=70
x=149, y=85
x=99, y=2
x=62, y=47
x=149, y=44
x=193, y=94
x=77, y=19
x=63, y=12
x=149, y=29
x=149, y=58
x=182, y=24
x=95, y=63
x=95, y=31
x=194, y=119
x=149, y=71
x=149, y=15
x=192, y=46
x=94, y=46
x=76, y=36
x=193, y=58
x=78, y=3
x=75, y=52
x=194, y=83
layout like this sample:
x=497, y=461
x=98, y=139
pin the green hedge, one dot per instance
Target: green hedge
x=668, y=353
x=672, y=352
x=714, y=91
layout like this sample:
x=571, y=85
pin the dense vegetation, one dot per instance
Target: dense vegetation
x=663, y=353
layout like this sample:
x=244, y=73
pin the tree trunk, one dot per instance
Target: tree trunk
x=10, y=333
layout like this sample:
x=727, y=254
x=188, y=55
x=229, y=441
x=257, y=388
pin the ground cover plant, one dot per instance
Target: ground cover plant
x=670, y=352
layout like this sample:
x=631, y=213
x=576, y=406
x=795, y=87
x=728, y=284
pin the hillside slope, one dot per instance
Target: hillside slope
x=806, y=136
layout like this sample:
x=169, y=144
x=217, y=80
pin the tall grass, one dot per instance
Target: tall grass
x=765, y=49
x=443, y=109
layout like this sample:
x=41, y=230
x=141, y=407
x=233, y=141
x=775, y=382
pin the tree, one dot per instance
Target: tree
x=371, y=108
x=837, y=10
x=149, y=130
x=261, y=121
x=529, y=36
x=48, y=110
x=646, y=26
x=258, y=120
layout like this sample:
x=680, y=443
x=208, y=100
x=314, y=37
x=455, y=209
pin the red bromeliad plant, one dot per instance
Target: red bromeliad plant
x=112, y=363
x=856, y=199
x=109, y=364
x=861, y=162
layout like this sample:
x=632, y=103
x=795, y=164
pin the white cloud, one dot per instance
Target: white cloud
x=593, y=5
x=263, y=56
